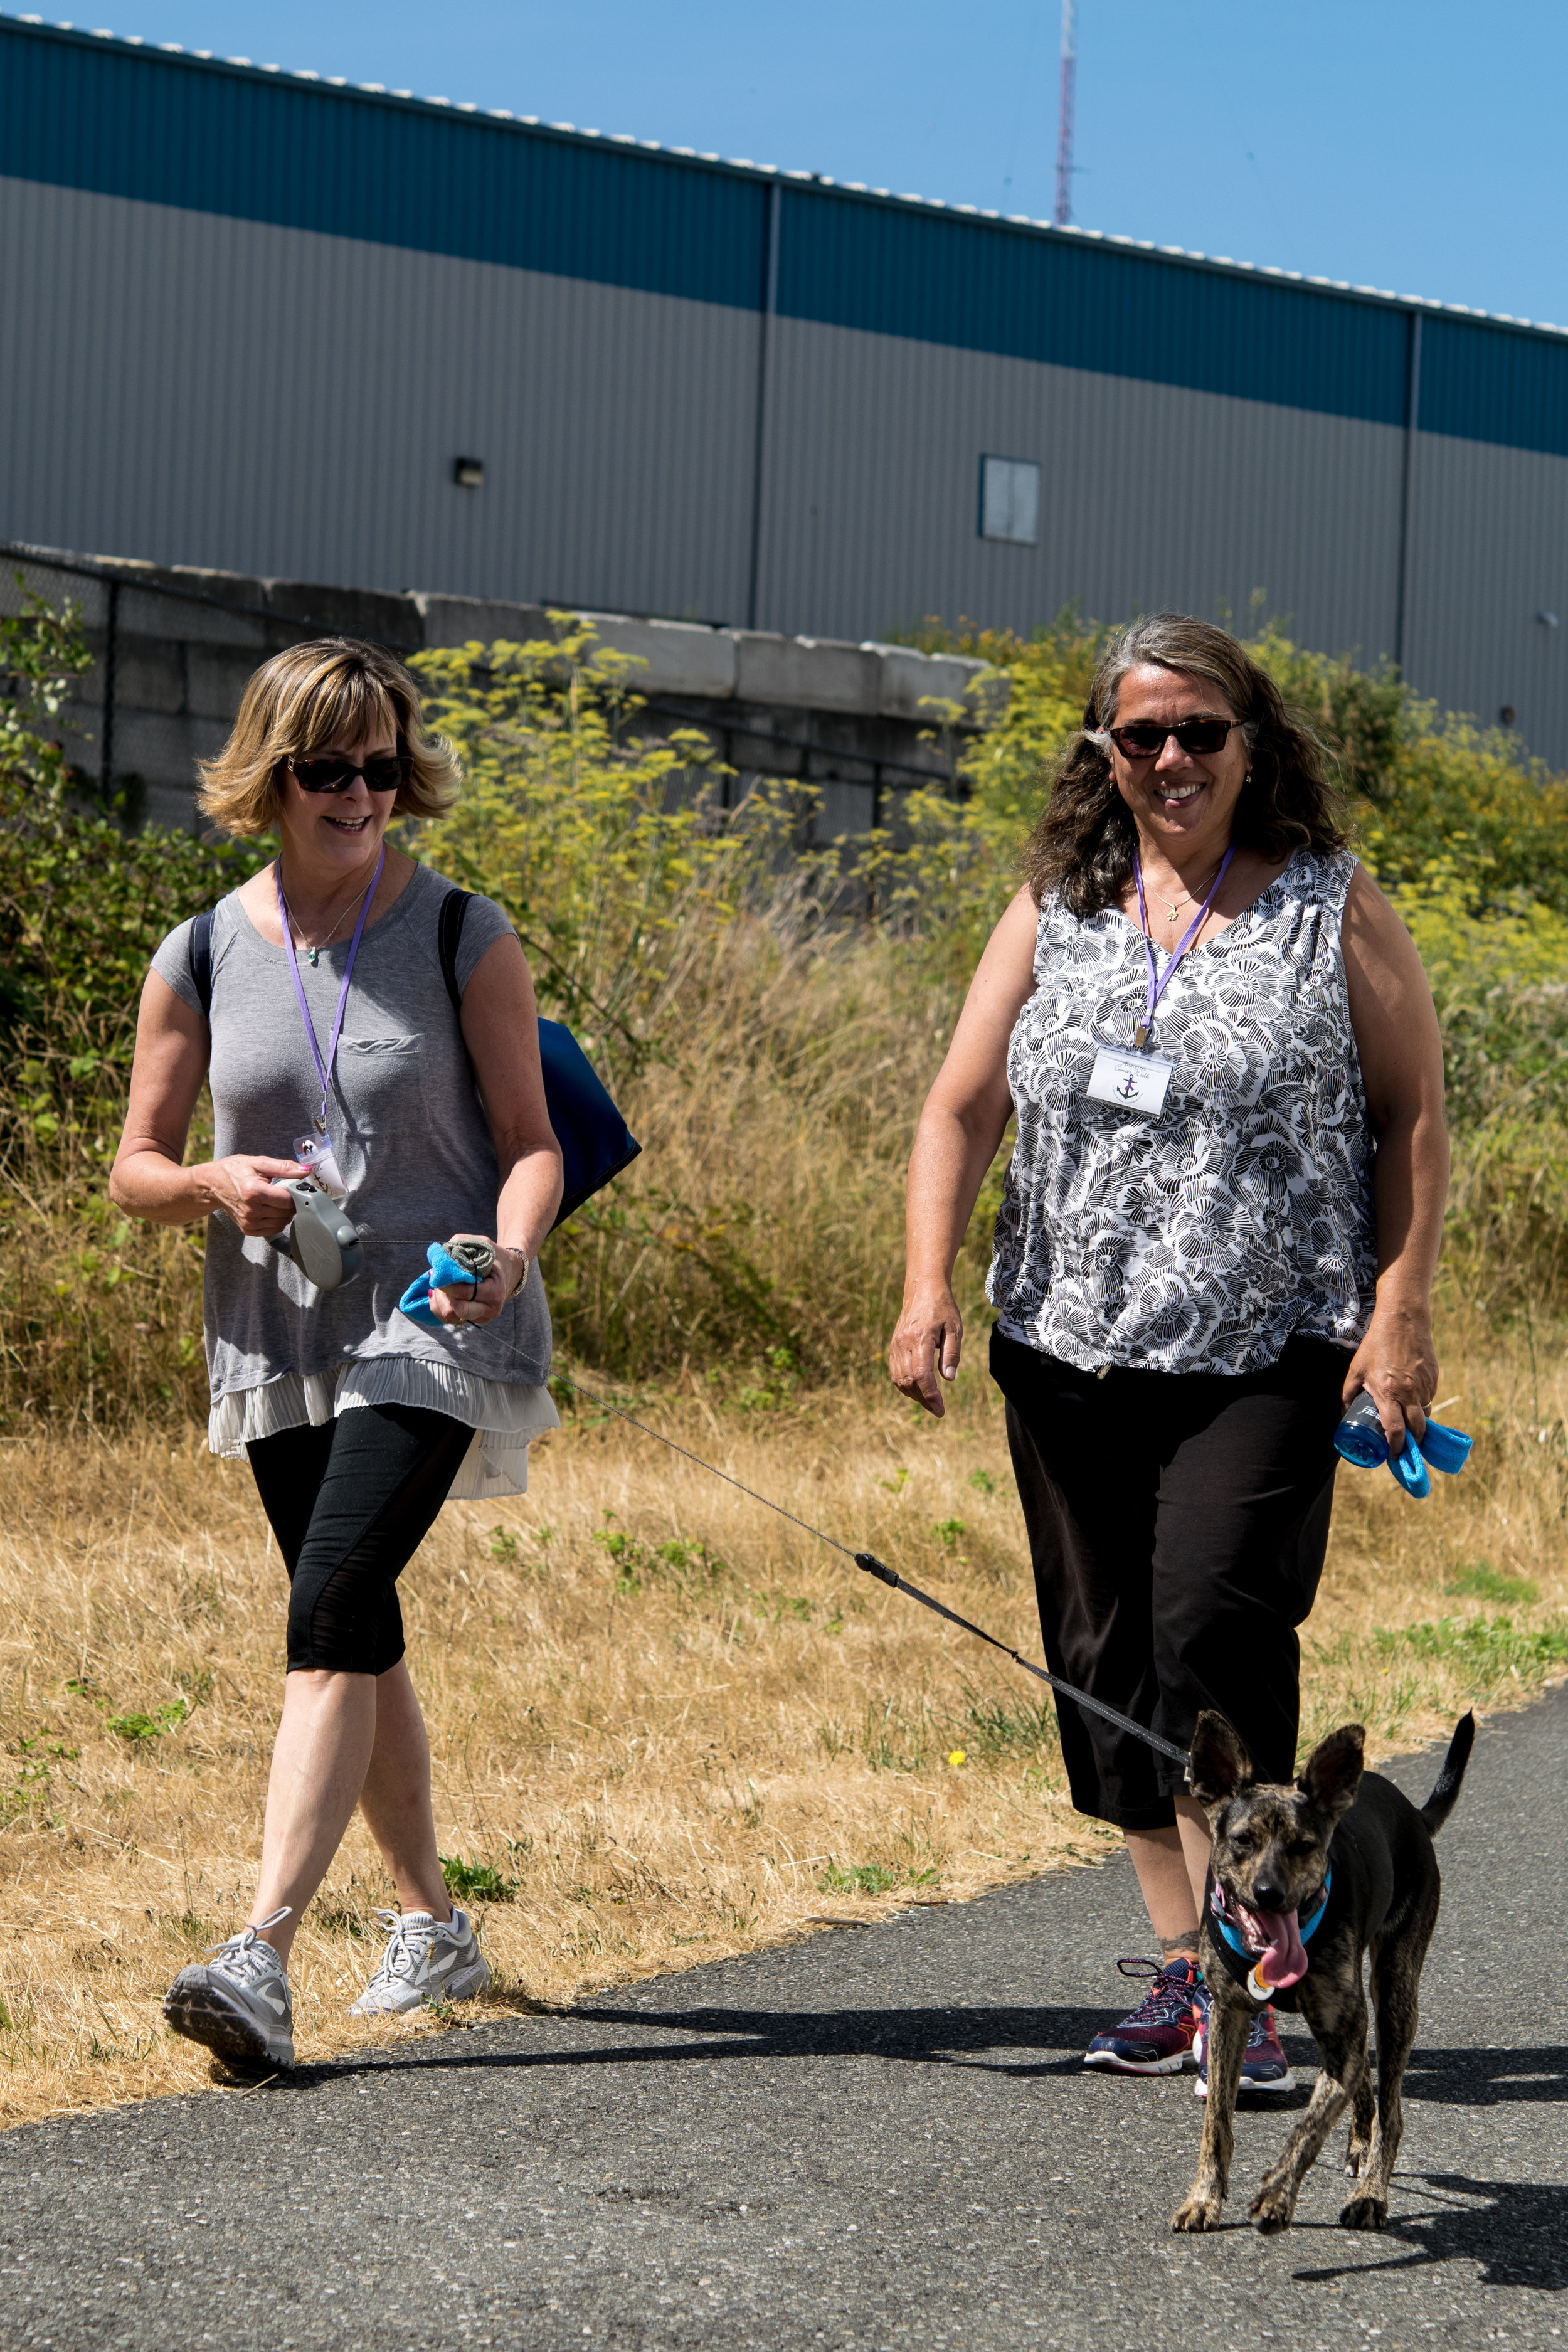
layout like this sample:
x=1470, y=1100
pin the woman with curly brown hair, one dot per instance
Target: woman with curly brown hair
x=323, y=1017
x=1220, y=1221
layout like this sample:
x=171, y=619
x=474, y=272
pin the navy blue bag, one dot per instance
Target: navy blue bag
x=595, y=1141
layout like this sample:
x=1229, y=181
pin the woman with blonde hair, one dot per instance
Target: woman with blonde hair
x=317, y=1007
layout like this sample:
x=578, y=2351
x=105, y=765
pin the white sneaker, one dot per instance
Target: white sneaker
x=424, y=1961
x=236, y=2001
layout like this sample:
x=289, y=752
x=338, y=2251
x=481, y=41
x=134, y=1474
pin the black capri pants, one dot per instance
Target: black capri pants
x=351, y=1503
x=1177, y=1523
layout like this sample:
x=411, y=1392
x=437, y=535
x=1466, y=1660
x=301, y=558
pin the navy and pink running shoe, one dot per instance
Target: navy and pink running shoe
x=1157, y=2037
x=1264, y=2065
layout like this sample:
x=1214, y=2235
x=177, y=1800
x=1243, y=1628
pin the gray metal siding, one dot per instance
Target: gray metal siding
x=1489, y=552
x=199, y=390
x=190, y=388
x=119, y=118
x=1150, y=495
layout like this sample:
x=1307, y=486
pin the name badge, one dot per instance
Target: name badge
x=315, y=1152
x=1135, y=1082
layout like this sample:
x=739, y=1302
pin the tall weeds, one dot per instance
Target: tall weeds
x=667, y=1726
x=769, y=1038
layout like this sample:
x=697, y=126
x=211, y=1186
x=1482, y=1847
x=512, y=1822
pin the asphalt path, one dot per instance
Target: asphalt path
x=879, y=2137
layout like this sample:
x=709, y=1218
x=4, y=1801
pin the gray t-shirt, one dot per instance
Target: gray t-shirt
x=407, y=1124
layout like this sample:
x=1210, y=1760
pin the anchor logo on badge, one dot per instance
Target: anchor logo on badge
x=1127, y=1089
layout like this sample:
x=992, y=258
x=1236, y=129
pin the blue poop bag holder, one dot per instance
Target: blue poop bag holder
x=471, y=1264
x=595, y=1145
x=1360, y=1439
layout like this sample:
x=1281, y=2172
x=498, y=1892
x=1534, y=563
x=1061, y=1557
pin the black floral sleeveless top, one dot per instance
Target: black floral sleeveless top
x=1204, y=1239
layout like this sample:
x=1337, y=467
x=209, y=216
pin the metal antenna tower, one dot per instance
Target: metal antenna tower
x=1064, y=126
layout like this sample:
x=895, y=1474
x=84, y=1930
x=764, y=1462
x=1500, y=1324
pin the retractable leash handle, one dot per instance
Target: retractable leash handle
x=321, y=1241
x=1360, y=1439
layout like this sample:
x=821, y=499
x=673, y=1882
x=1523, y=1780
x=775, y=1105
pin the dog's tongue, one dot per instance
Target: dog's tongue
x=1283, y=1959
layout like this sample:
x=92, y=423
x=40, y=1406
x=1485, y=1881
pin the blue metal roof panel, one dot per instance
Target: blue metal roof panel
x=946, y=279
x=214, y=136
x=121, y=121
x=1480, y=383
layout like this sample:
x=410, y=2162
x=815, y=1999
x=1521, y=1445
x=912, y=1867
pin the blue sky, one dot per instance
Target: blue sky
x=1414, y=147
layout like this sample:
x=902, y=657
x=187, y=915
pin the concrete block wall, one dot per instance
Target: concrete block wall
x=855, y=719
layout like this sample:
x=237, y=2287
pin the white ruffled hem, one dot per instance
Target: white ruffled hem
x=504, y=1416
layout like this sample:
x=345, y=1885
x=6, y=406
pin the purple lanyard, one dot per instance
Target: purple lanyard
x=324, y=1069
x=1159, y=982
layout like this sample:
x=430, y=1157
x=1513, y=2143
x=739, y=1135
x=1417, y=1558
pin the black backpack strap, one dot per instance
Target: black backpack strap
x=201, y=957
x=449, y=937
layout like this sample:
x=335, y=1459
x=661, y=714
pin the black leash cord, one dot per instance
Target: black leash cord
x=872, y=1566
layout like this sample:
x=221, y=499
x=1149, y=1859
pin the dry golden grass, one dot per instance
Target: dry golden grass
x=678, y=1724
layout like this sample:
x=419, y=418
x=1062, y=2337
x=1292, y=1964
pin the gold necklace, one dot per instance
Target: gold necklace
x=313, y=954
x=1173, y=909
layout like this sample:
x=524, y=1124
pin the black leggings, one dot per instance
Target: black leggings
x=1177, y=1523
x=351, y=1503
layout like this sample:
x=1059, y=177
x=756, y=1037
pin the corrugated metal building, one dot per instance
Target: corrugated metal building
x=254, y=321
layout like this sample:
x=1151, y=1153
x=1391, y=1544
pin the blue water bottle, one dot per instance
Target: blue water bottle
x=1360, y=1436
x=1360, y=1439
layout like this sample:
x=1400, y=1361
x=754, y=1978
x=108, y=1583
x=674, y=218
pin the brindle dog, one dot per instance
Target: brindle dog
x=1273, y=1847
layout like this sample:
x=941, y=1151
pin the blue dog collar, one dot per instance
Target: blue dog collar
x=1306, y=1929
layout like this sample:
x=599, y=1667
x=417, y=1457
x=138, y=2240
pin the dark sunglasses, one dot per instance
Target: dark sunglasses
x=332, y=774
x=1145, y=738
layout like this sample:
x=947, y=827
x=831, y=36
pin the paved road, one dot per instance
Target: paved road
x=881, y=2137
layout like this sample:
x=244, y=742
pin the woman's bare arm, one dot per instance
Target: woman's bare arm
x=964, y=1118
x=1401, y=1050
x=500, y=1030
x=149, y=1177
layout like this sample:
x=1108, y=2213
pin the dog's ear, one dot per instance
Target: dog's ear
x=1332, y=1773
x=1218, y=1764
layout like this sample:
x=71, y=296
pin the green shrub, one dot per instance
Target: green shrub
x=769, y=1015
x=1488, y=1650
x=865, y=1878
x=475, y=1882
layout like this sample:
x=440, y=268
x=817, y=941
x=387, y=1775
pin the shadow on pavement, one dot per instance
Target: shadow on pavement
x=1024, y=2041
x=1488, y=2078
x=1516, y=2231
x=928, y=2037
x=1477, y=2077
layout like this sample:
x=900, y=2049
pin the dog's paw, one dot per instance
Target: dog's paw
x=1272, y=2210
x=1197, y=2214
x=1365, y=2213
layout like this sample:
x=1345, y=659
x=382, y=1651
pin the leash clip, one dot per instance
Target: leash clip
x=874, y=1567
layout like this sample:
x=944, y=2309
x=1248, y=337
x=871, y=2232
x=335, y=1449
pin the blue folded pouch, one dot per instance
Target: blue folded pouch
x=445, y=1271
x=1360, y=1439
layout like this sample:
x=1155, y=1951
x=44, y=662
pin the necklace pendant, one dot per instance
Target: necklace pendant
x=313, y=956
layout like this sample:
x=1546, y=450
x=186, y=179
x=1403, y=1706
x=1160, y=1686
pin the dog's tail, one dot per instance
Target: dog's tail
x=1451, y=1779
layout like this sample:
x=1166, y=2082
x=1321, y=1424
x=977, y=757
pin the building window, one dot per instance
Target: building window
x=1010, y=500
